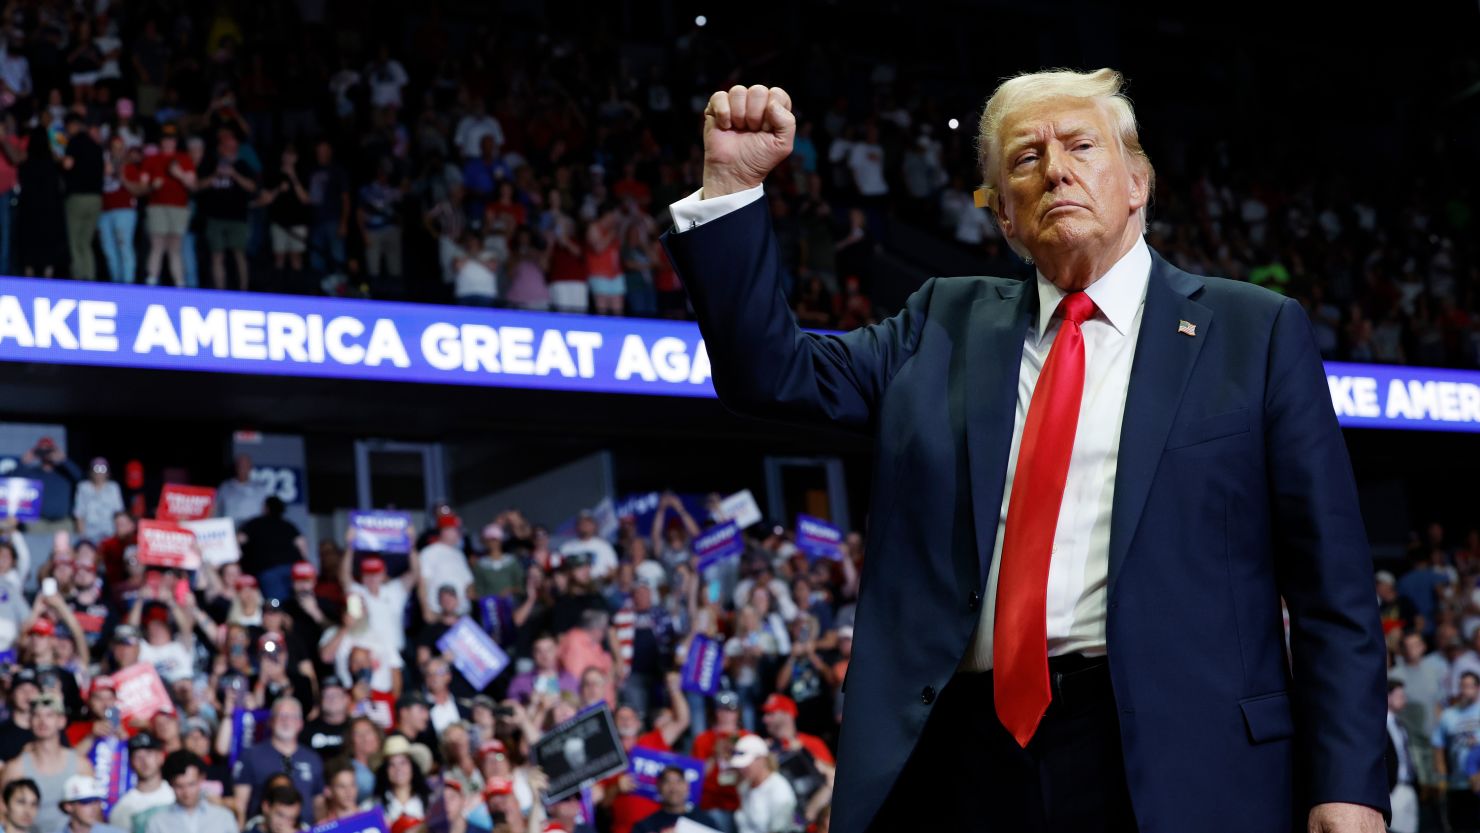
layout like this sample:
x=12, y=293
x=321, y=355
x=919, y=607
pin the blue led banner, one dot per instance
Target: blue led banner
x=72, y=322
x=1393, y=396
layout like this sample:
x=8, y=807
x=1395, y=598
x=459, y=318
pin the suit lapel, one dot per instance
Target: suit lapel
x=996, y=328
x=1159, y=373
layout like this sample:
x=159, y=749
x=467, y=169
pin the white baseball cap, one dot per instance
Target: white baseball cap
x=747, y=750
x=82, y=788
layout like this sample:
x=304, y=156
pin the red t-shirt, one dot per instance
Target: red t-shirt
x=115, y=196
x=715, y=796
x=172, y=192
x=630, y=808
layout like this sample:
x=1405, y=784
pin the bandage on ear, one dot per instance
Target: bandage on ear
x=980, y=196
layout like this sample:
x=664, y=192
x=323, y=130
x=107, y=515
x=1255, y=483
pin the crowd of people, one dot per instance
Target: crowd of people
x=1431, y=617
x=266, y=147
x=306, y=686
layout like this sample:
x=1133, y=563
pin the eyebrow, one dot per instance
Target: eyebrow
x=1028, y=139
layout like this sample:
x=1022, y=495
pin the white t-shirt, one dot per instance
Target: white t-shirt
x=768, y=808
x=598, y=552
x=866, y=161
x=443, y=564
x=384, y=661
x=475, y=278
x=470, y=133
x=385, y=614
x=386, y=83
x=134, y=802
x=444, y=714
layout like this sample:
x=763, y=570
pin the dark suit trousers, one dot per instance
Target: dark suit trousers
x=968, y=775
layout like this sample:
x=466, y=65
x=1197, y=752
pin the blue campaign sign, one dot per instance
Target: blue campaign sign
x=818, y=538
x=248, y=727
x=703, y=665
x=646, y=765
x=109, y=758
x=474, y=654
x=381, y=531
x=1387, y=396
x=717, y=543
x=497, y=613
x=366, y=822
x=20, y=498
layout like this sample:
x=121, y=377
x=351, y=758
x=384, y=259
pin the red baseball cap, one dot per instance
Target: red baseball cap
x=245, y=580
x=304, y=570
x=497, y=786
x=405, y=822
x=448, y=521
x=490, y=747
x=43, y=627
x=101, y=683
x=372, y=565
x=779, y=703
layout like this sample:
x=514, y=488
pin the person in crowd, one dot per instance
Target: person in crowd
x=46, y=761
x=170, y=177
x=280, y=753
x=673, y=789
x=22, y=798
x=150, y=792
x=767, y=801
x=185, y=772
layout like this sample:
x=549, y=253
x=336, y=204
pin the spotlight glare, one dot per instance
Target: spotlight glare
x=700, y=20
x=953, y=124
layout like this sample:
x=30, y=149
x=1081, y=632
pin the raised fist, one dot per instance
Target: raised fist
x=748, y=131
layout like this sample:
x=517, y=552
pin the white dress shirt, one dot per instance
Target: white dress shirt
x=1079, y=569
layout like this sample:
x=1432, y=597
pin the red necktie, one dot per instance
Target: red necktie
x=1019, y=630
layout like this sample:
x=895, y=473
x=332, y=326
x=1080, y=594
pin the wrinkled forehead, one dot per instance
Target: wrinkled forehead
x=1061, y=118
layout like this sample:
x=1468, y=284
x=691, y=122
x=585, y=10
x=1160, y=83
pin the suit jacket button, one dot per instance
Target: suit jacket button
x=927, y=695
x=974, y=601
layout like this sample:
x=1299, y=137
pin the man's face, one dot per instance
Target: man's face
x=726, y=720
x=545, y=654
x=593, y=687
x=586, y=527
x=287, y=721
x=1397, y=700
x=629, y=725
x=414, y=719
x=86, y=813
x=1065, y=151
x=146, y=762
x=438, y=677
x=281, y=818
x=342, y=790
x=243, y=462
x=46, y=723
x=1468, y=689
x=335, y=703
x=187, y=787
x=673, y=788
x=780, y=725
x=100, y=701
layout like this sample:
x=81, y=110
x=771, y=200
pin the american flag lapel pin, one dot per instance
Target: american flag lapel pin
x=1186, y=328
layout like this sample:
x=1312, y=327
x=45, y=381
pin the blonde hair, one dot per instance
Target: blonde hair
x=1103, y=86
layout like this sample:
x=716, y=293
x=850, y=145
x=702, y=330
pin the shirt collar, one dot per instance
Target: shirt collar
x=1117, y=293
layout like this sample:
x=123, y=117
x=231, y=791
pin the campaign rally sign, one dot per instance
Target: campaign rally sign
x=216, y=538
x=248, y=728
x=703, y=665
x=740, y=508
x=646, y=765
x=20, y=498
x=474, y=654
x=818, y=538
x=167, y=545
x=370, y=821
x=717, y=543
x=583, y=749
x=178, y=502
x=498, y=618
x=109, y=758
x=140, y=691
x=381, y=531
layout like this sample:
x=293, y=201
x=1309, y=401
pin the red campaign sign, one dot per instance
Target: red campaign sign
x=167, y=545
x=140, y=691
x=185, y=503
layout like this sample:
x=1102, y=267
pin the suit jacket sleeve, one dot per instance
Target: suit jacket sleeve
x=763, y=364
x=1324, y=569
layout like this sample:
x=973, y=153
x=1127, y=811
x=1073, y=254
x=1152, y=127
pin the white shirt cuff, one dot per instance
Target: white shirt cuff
x=691, y=211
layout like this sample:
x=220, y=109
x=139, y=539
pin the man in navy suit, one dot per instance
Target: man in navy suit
x=1092, y=491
